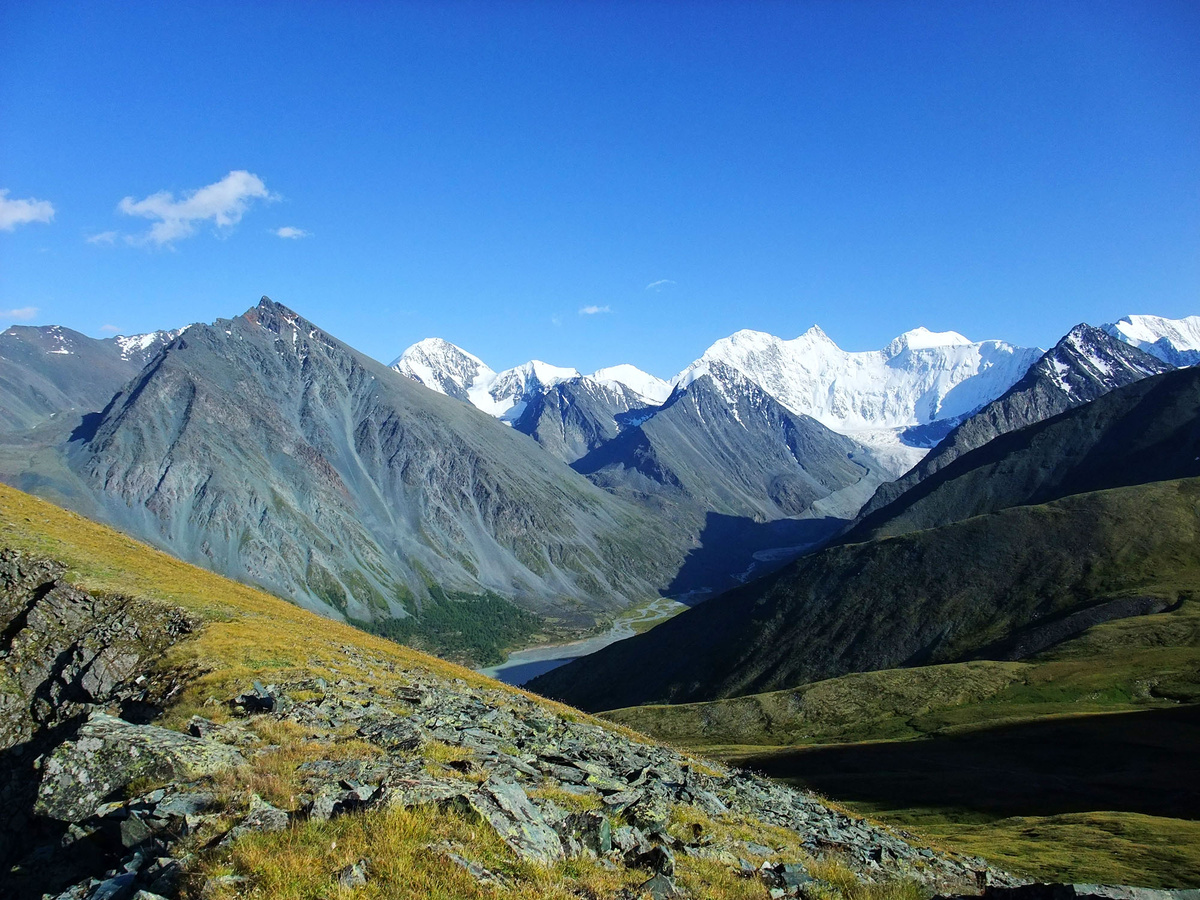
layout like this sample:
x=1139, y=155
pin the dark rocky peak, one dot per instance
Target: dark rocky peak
x=287, y=324
x=1095, y=359
x=1084, y=365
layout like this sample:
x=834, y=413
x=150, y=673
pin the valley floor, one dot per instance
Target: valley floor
x=523, y=665
x=1109, y=798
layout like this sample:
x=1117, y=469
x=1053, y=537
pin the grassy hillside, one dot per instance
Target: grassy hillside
x=1149, y=662
x=246, y=635
x=1073, y=765
x=938, y=596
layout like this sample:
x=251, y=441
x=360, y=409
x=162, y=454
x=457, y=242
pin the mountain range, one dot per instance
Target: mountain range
x=1017, y=535
x=438, y=491
x=1038, y=563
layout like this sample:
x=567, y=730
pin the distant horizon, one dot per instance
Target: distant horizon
x=596, y=184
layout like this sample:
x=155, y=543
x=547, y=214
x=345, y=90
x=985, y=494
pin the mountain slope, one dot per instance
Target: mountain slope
x=1142, y=432
x=567, y=413
x=727, y=446
x=1087, y=363
x=724, y=460
x=266, y=449
x=51, y=369
x=278, y=754
x=927, y=597
x=571, y=418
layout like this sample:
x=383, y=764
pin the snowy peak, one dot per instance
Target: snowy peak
x=443, y=367
x=921, y=338
x=55, y=340
x=641, y=383
x=143, y=346
x=448, y=369
x=921, y=377
x=1174, y=341
x=508, y=394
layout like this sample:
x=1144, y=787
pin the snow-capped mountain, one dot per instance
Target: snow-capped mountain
x=1174, y=341
x=1085, y=365
x=921, y=378
x=443, y=367
x=448, y=369
x=641, y=383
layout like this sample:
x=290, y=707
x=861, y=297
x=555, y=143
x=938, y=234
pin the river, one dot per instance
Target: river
x=523, y=665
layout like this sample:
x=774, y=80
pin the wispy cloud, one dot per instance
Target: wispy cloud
x=104, y=237
x=659, y=285
x=593, y=310
x=110, y=329
x=24, y=314
x=292, y=232
x=22, y=212
x=223, y=203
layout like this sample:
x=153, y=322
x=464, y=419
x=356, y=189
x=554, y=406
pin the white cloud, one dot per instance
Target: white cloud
x=22, y=212
x=593, y=310
x=224, y=203
x=110, y=329
x=24, y=314
x=659, y=285
x=291, y=231
x=104, y=237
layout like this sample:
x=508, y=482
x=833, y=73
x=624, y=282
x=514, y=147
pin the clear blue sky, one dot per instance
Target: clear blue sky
x=484, y=171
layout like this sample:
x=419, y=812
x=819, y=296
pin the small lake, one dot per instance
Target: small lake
x=522, y=666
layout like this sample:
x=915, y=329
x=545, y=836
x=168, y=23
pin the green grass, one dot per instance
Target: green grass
x=892, y=730
x=1146, y=662
x=1092, y=847
x=475, y=629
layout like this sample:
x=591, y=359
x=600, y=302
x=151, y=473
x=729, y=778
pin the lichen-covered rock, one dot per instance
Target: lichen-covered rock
x=505, y=806
x=108, y=753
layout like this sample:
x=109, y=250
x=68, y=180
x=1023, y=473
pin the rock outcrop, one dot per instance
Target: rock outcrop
x=66, y=653
x=513, y=764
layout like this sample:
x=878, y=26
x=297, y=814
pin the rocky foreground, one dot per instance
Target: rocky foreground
x=104, y=804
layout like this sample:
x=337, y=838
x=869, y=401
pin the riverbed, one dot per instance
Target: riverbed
x=523, y=665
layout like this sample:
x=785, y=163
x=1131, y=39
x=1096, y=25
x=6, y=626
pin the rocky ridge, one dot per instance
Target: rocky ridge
x=1085, y=365
x=117, y=809
x=49, y=370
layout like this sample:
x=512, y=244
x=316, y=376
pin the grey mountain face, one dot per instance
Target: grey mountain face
x=1084, y=365
x=266, y=449
x=51, y=369
x=575, y=417
x=723, y=445
x=752, y=483
x=719, y=461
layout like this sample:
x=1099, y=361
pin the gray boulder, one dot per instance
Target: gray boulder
x=108, y=753
x=505, y=806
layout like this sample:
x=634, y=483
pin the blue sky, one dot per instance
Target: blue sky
x=485, y=172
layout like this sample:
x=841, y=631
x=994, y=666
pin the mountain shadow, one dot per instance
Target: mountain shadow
x=1140, y=762
x=736, y=549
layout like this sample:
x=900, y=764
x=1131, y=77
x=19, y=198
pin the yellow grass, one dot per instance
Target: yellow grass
x=246, y=634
